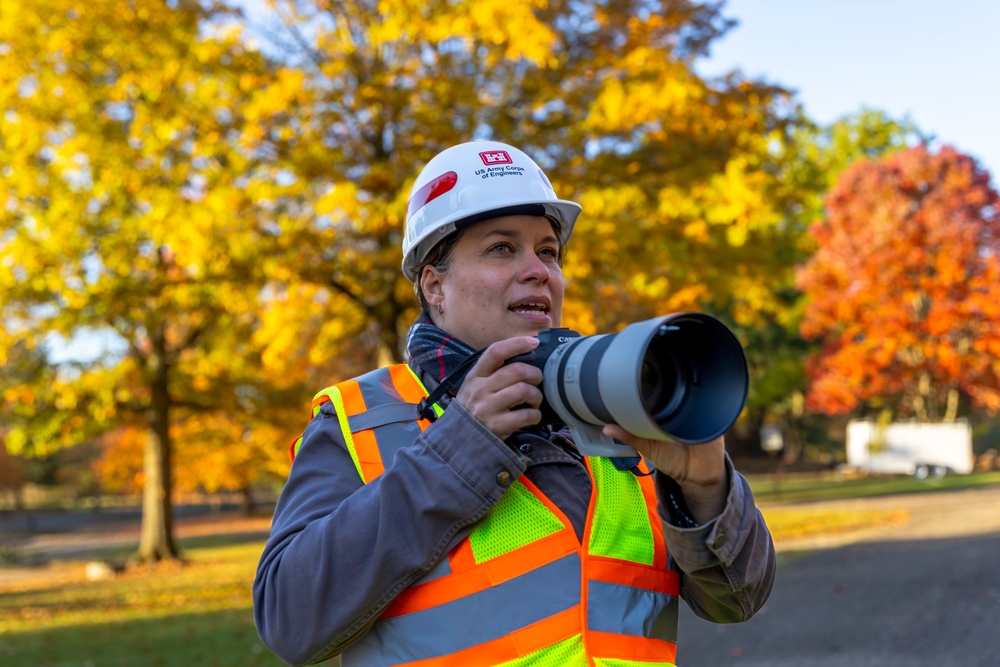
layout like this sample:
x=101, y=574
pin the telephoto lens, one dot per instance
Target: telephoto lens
x=678, y=377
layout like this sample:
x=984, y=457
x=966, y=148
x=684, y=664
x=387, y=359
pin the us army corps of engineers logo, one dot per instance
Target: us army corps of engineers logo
x=498, y=163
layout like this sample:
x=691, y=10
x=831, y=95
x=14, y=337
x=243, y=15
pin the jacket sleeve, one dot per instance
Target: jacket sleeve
x=340, y=551
x=727, y=565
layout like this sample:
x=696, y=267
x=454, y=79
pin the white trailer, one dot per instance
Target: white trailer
x=910, y=448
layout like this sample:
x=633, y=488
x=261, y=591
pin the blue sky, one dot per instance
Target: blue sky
x=938, y=62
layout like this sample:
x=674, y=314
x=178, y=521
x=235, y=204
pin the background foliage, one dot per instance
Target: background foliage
x=903, y=288
x=218, y=202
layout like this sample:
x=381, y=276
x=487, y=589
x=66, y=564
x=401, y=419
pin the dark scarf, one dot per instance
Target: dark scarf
x=433, y=350
x=439, y=354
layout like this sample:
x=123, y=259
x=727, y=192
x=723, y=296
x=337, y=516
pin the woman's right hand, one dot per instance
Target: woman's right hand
x=492, y=390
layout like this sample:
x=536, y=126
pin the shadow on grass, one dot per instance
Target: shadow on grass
x=225, y=638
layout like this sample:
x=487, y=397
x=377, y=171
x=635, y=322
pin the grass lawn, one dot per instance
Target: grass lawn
x=788, y=524
x=198, y=614
x=803, y=488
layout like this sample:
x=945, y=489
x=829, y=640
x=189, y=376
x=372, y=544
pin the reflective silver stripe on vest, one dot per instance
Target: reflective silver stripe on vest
x=388, y=413
x=472, y=620
x=631, y=611
x=377, y=388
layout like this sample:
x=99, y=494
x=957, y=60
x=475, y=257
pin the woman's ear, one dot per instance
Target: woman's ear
x=432, y=285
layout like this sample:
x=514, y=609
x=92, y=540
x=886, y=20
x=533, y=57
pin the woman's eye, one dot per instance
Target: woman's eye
x=501, y=248
x=549, y=253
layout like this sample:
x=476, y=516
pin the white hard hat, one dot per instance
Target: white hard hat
x=472, y=182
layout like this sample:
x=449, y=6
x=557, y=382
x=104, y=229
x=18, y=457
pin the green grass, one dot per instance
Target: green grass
x=191, y=615
x=200, y=613
x=796, y=522
x=802, y=488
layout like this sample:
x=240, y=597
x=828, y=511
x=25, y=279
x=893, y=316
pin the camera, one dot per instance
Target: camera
x=678, y=377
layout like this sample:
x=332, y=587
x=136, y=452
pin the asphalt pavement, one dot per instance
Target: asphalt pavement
x=922, y=594
x=37, y=538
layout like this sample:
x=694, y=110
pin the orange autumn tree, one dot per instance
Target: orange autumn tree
x=119, y=466
x=224, y=452
x=904, y=288
x=214, y=452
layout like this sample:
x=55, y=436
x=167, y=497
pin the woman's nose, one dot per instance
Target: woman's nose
x=534, y=269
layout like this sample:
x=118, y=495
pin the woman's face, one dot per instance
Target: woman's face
x=504, y=280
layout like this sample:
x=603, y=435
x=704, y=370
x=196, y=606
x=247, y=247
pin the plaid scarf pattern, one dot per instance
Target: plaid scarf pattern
x=434, y=350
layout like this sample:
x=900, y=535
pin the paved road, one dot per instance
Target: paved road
x=30, y=539
x=42, y=522
x=923, y=594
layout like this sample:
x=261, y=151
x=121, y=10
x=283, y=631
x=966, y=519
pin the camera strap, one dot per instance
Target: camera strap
x=449, y=385
x=631, y=464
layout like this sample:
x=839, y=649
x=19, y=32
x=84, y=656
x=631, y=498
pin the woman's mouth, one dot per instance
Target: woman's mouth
x=530, y=309
x=536, y=310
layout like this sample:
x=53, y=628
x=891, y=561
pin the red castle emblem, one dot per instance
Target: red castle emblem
x=491, y=158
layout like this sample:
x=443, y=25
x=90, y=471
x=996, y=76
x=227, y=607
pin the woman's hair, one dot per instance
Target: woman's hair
x=441, y=255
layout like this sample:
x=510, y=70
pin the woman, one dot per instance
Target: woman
x=477, y=535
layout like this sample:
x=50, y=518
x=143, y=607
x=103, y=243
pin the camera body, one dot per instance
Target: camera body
x=678, y=377
x=549, y=340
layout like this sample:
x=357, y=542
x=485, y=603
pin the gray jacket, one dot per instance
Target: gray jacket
x=340, y=551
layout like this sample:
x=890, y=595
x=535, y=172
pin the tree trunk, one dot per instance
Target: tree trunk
x=390, y=345
x=386, y=357
x=951, y=412
x=247, y=501
x=156, y=541
x=793, y=429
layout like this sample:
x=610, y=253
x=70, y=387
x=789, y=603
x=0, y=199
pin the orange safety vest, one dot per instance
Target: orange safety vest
x=520, y=589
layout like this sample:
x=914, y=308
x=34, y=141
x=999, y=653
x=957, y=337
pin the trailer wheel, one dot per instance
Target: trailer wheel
x=921, y=471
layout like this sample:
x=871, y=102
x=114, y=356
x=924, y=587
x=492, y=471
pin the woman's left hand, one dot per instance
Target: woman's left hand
x=700, y=470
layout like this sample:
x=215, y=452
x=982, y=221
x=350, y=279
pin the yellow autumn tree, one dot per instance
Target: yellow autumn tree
x=697, y=192
x=678, y=175
x=132, y=162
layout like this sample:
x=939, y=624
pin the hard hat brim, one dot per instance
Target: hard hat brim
x=565, y=212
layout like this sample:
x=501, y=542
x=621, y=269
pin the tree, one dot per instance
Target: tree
x=826, y=151
x=696, y=193
x=812, y=163
x=677, y=174
x=904, y=288
x=12, y=473
x=213, y=452
x=132, y=183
